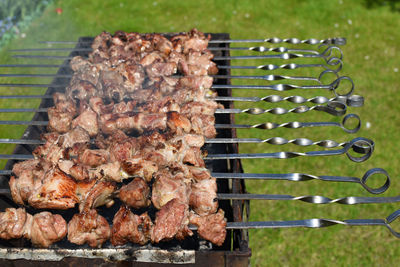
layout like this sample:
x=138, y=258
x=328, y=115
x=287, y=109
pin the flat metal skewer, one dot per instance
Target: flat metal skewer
x=297, y=125
x=353, y=144
x=333, y=108
x=273, y=40
x=315, y=223
x=300, y=177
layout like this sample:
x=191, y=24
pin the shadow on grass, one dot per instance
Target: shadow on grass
x=393, y=4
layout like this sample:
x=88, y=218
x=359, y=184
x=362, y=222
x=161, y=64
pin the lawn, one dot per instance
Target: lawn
x=371, y=59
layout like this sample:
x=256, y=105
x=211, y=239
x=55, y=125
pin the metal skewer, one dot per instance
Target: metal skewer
x=315, y=223
x=333, y=108
x=273, y=40
x=296, y=125
x=299, y=177
x=271, y=141
x=353, y=144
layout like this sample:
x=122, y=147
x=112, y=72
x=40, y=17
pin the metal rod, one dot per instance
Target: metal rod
x=312, y=199
x=273, y=40
x=300, y=177
x=333, y=108
x=334, y=86
x=35, y=123
x=316, y=223
x=353, y=144
x=297, y=125
x=360, y=141
x=31, y=85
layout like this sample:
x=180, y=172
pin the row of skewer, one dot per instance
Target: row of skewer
x=336, y=106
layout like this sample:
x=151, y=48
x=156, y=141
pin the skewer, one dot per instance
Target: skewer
x=296, y=125
x=291, y=66
x=264, y=126
x=271, y=141
x=273, y=40
x=353, y=144
x=316, y=223
x=333, y=108
x=280, y=49
x=299, y=177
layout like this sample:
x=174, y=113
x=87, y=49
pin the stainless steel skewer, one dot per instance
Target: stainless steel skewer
x=353, y=144
x=315, y=223
x=271, y=141
x=332, y=62
x=273, y=40
x=297, y=125
x=356, y=142
x=300, y=177
x=312, y=199
x=333, y=108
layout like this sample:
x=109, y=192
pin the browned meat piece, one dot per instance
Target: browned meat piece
x=204, y=124
x=101, y=193
x=81, y=89
x=135, y=194
x=88, y=227
x=171, y=221
x=109, y=171
x=133, y=76
x=75, y=136
x=178, y=123
x=203, y=198
x=168, y=187
x=161, y=69
x=199, y=173
x=78, y=62
x=195, y=82
x=14, y=223
x=130, y=227
x=56, y=191
x=151, y=58
x=77, y=171
x=62, y=103
x=161, y=44
x=128, y=122
x=112, y=84
x=211, y=227
x=94, y=157
x=30, y=174
x=87, y=120
x=98, y=106
x=192, y=41
x=47, y=229
x=205, y=108
x=168, y=84
x=59, y=121
x=137, y=166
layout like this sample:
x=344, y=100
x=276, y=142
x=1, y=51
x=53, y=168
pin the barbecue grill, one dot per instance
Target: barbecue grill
x=223, y=158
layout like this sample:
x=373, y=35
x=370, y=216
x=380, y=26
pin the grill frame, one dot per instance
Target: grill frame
x=235, y=250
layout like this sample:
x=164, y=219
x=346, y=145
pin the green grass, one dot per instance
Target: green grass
x=371, y=58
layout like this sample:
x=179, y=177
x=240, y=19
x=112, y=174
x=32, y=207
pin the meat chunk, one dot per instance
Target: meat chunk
x=87, y=120
x=203, y=198
x=88, y=227
x=135, y=194
x=14, y=223
x=101, y=193
x=56, y=191
x=211, y=227
x=168, y=187
x=94, y=157
x=171, y=221
x=47, y=229
x=130, y=227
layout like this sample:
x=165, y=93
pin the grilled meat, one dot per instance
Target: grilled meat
x=210, y=227
x=47, y=229
x=203, y=198
x=88, y=227
x=130, y=227
x=135, y=194
x=43, y=229
x=171, y=221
